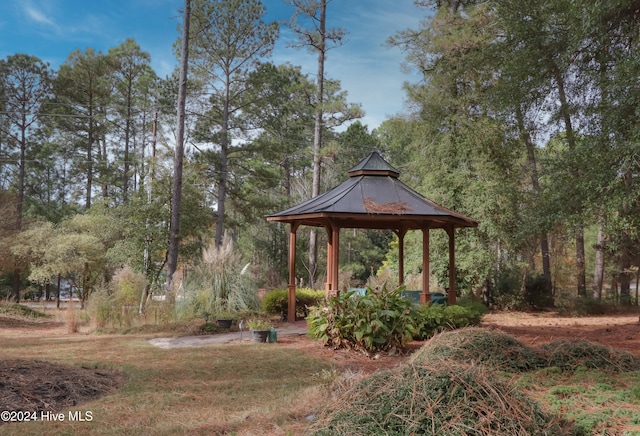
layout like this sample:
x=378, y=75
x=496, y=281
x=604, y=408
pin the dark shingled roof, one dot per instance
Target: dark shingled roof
x=373, y=197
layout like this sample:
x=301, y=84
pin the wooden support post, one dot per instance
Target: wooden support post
x=401, y=233
x=425, y=295
x=328, y=286
x=451, y=300
x=291, y=312
x=336, y=256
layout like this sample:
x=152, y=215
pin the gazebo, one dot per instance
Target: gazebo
x=372, y=198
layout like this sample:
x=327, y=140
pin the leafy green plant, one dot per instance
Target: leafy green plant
x=376, y=321
x=437, y=318
x=276, y=302
x=207, y=329
x=258, y=324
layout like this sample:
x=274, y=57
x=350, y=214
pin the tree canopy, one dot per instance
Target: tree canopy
x=524, y=118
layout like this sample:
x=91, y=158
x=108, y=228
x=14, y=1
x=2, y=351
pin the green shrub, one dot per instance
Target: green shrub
x=537, y=292
x=585, y=306
x=473, y=304
x=437, y=318
x=376, y=321
x=276, y=302
x=116, y=306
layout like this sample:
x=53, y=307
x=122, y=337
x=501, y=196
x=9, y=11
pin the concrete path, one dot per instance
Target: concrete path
x=296, y=329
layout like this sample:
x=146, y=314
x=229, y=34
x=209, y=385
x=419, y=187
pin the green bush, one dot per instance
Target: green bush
x=276, y=302
x=585, y=306
x=537, y=292
x=376, y=321
x=116, y=306
x=437, y=318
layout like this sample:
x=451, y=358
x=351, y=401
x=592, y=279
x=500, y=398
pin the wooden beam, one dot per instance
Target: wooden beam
x=374, y=221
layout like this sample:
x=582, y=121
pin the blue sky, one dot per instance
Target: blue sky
x=366, y=68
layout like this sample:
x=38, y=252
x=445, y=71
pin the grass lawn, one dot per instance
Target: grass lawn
x=270, y=389
x=225, y=389
x=597, y=402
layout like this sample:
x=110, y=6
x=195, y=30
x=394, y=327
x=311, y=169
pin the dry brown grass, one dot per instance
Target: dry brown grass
x=230, y=388
x=71, y=319
x=270, y=389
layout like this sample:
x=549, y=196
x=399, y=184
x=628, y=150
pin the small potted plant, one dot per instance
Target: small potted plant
x=224, y=320
x=259, y=329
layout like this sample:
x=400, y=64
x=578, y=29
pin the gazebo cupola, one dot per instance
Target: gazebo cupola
x=373, y=197
x=374, y=165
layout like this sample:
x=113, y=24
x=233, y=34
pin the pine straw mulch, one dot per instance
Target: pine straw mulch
x=435, y=398
x=500, y=351
x=453, y=385
x=494, y=349
x=36, y=386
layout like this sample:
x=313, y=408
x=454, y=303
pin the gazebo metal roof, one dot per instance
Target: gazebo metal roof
x=372, y=197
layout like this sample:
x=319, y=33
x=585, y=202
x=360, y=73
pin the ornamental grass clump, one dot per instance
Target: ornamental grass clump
x=494, y=349
x=219, y=283
x=571, y=355
x=432, y=398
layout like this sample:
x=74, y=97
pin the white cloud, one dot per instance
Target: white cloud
x=34, y=13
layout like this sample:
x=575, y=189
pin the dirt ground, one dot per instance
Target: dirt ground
x=30, y=385
x=621, y=332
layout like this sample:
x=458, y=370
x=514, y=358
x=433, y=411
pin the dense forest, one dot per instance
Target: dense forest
x=527, y=119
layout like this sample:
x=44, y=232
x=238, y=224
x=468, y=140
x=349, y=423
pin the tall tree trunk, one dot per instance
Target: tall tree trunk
x=598, y=270
x=571, y=141
x=58, y=292
x=287, y=177
x=224, y=164
x=21, y=171
x=222, y=192
x=625, y=273
x=598, y=267
x=87, y=203
x=20, y=203
x=16, y=285
x=626, y=246
x=317, y=140
x=127, y=134
x=535, y=183
x=580, y=261
x=176, y=195
x=146, y=292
